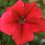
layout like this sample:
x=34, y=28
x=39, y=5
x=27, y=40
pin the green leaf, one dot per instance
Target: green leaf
x=27, y=44
x=41, y=34
x=3, y=3
x=13, y=43
x=6, y=38
x=11, y=2
x=41, y=1
x=25, y=0
x=43, y=11
x=43, y=7
x=2, y=11
x=1, y=35
x=0, y=42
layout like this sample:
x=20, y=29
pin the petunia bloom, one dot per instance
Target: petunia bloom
x=21, y=21
x=0, y=23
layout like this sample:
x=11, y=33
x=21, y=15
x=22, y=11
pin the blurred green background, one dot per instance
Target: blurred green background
x=6, y=39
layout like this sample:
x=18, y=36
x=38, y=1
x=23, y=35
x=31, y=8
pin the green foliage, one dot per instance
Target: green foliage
x=25, y=0
x=43, y=7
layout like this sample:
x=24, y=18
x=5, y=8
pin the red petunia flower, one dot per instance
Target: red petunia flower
x=21, y=21
x=0, y=23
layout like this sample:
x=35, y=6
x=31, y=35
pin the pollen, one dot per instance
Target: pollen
x=22, y=20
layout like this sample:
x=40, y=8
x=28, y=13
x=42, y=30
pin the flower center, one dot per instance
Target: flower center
x=22, y=20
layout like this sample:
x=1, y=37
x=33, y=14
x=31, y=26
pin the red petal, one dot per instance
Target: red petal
x=0, y=22
x=27, y=37
x=27, y=34
x=8, y=17
x=19, y=0
x=23, y=8
x=24, y=37
x=7, y=20
x=31, y=27
x=9, y=9
x=19, y=7
x=34, y=13
x=10, y=28
x=28, y=7
x=17, y=38
x=40, y=22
